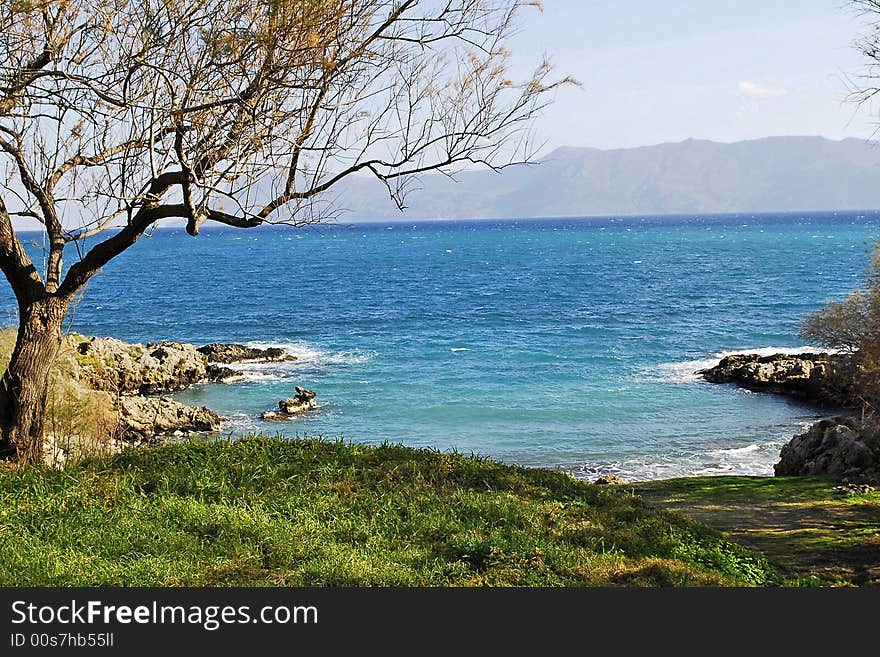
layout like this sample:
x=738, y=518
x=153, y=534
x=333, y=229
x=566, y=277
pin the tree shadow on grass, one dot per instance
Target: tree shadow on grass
x=801, y=525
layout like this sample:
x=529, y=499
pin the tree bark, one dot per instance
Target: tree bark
x=25, y=384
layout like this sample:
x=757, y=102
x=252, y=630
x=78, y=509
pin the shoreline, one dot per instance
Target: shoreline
x=718, y=531
x=740, y=509
x=138, y=379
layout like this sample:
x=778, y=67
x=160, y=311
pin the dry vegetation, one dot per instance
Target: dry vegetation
x=853, y=326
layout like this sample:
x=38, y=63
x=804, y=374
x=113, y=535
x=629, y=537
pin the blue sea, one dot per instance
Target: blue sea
x=569, y=343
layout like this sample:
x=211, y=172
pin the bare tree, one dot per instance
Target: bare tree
x=115, y=114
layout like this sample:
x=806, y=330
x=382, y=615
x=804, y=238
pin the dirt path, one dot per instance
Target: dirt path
x=802, y=525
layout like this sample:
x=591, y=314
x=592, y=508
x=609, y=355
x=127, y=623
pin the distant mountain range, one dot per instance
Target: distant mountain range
x=693, y=176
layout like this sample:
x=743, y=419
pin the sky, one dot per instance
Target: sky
x=655, y=71
x=727, y=70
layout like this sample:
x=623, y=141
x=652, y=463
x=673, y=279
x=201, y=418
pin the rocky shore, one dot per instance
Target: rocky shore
x=138, y=379
x=812, y=377
x=840, y=445
x=835, y=445
x=239, y=353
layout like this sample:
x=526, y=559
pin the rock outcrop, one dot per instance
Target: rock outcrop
x=142, y=419
x=131, y=375
x=226, y=354
x=221, y=374
x=809, y=376
x=836, y=445
x=160, y=367
x=843, y=446
x=287, y=408
x=119, y=367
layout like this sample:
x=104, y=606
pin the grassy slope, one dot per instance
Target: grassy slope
x=810, y=532
x=271, y=512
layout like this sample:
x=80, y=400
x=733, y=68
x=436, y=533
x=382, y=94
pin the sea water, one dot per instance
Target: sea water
x=566, y=343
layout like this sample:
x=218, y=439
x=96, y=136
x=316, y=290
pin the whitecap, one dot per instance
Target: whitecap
x=678, y=372
x=457, y=349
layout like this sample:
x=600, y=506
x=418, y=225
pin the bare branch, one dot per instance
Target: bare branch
x=117, y=114
x=15, y=263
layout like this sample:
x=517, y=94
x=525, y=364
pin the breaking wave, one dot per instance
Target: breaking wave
x=686, y=371
x=756, y=459
x=308, y=358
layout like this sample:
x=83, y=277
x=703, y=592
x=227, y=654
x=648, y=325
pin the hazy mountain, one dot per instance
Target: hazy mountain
x=693, y=176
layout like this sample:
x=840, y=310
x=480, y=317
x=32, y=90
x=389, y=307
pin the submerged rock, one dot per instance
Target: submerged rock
x=143, y=418
x=836, y=445
x=287, y=408
x=809, y=376
x=239, y=353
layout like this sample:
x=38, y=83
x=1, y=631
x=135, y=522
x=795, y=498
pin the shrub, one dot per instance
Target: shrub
x=853, y=326
x=840, y=324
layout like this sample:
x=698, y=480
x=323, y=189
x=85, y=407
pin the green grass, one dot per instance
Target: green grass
x=262, y=511
x=810, y=532
x=787, y=490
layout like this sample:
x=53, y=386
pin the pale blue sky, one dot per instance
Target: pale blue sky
x=724, y=70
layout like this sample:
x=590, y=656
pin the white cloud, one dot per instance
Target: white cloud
x=758, y=90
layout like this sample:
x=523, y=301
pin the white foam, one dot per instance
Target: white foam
x=457, y=349
x=307, y=355
x=680, y=372
x=307, y=358
x=256, y=376
x=738, y=451
x=686, y=371
x=238, y=423
x=751, y=460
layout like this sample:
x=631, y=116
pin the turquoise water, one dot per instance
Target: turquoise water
x=556, y=343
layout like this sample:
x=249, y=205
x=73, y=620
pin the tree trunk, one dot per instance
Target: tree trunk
x=25, y=384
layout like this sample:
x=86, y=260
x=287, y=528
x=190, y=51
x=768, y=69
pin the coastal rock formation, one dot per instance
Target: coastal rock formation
x=809, y=376
x=220, y=374
x=840, y=445
x=119, y=367
x=128, y=374
x=287, y=408
x=836, y=445
x=239, y=353
x=144, y=418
